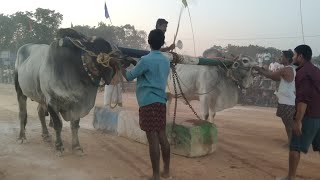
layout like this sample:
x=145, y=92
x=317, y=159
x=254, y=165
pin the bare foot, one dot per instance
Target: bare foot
x=154, y=178
x=284, y=178
x=165, y=175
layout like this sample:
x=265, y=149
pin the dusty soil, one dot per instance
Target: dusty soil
x=251, y=146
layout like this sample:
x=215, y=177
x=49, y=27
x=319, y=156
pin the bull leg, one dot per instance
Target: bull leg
x=212, y=111
x=22, y=100
x=204, y=106
x=42, y=114
x=57, y=125
x=76, y=148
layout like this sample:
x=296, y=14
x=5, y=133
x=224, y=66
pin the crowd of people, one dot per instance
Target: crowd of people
x=6, y=75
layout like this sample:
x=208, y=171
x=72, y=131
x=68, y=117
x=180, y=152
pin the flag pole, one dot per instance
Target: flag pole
x=176, y=34
x=106, y=13
x=194, y=44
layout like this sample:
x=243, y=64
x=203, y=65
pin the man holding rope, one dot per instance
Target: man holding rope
x=152, y=73
x=286, y=92
x=162, y=24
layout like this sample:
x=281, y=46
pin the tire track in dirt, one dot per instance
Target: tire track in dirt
x=226, y=146
x=126, y=150
x=2, y=174
x=124, y=154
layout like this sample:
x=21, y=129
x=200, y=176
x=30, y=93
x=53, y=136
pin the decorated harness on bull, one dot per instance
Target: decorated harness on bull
x=95, y=63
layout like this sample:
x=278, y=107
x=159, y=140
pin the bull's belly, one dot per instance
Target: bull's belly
x=30, y=86
x=73, y=102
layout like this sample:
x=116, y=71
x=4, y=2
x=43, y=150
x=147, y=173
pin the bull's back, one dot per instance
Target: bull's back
x=30, y=57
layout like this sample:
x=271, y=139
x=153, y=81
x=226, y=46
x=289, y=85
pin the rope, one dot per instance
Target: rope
x=104, y=59
x=176, y=34
x=302, y=23
x=180, y=80
x=194, y=44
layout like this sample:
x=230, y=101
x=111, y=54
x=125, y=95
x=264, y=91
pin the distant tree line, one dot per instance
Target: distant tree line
x=28, y=27
x=251, y=50
x=41, y=26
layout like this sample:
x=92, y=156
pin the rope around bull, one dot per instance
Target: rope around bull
x=104, y=60
x=229, y=74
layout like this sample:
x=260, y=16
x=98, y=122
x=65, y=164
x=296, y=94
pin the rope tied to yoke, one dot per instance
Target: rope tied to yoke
x=102, y=58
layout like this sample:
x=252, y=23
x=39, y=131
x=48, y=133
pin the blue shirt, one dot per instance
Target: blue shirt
x=152, y=73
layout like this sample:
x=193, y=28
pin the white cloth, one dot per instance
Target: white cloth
x=287, y=91
x=116, y=94
x=275, y=66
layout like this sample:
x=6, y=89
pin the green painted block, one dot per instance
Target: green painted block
x=193, y=138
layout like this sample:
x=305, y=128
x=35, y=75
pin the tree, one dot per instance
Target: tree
x=250, y=50
x=46, y=24
x=124, y=36
x=27, y=27
x=6, y=32
x=40, y=27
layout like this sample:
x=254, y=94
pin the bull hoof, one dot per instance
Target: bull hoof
x=51, y=124
x=22, y=140
x=46, y=138
x=59, y=150
x=78, y=151
x=59, y=153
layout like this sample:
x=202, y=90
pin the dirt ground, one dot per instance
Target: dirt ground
x=251, y=146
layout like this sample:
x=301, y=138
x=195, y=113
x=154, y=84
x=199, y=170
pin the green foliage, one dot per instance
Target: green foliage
x=124, y=36
x=40, y=27
x=250, y=50
x=28, y=27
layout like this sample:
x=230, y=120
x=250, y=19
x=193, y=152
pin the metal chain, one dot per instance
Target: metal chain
x=173, y=133
x=175, y=75
x=175, y=78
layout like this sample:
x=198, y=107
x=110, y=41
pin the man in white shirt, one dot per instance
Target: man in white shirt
x=286, y=92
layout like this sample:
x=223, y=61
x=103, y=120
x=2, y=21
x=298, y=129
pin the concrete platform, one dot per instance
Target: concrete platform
x=193, y=138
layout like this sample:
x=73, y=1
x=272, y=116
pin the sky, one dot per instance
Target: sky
x=268, y=23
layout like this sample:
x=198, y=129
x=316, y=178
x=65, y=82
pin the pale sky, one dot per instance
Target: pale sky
x=266, y=23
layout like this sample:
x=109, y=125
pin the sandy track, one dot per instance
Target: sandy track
x=251, y=146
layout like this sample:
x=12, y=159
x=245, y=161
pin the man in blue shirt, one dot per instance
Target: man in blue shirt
x=152, y=73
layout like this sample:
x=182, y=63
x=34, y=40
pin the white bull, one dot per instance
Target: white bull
x=217, y=88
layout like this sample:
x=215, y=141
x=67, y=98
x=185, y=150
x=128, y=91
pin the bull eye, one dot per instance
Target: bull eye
x=235, y=65
x=245, y=61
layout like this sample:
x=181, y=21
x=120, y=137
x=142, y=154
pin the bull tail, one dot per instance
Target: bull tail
x=16, y=83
